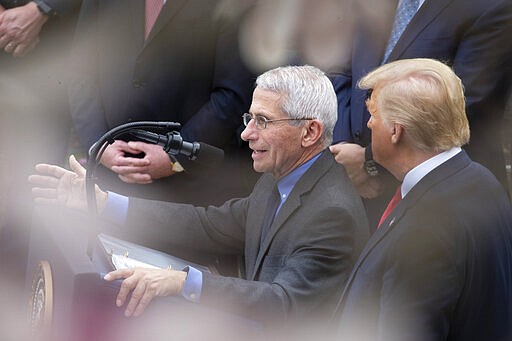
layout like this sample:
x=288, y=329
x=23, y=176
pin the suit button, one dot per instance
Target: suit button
x=357, y=136
x=138, y=84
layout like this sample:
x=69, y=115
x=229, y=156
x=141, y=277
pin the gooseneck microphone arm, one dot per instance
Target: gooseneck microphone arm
x=171, y=142
x=95, y=153
x=98, y=148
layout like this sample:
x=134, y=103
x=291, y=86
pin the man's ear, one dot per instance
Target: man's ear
x=311, y=133
x=398, y=132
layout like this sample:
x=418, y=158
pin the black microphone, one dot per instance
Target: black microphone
x=174, y=144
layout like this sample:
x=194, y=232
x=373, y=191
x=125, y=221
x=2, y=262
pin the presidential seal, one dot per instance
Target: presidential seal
x=41, y=302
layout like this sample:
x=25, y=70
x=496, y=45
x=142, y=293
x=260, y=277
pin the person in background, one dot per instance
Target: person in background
x=158, y=60
x=440, y=259
x=470, y=36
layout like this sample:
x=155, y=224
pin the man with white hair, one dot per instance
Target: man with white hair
x=298, y=252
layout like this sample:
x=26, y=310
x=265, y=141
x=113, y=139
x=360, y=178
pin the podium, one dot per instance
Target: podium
x=70, y=301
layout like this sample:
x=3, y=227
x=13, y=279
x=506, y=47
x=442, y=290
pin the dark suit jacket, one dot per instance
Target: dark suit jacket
x=189, y=71
x=439, y=266
x=301, y=267
x=472, y=36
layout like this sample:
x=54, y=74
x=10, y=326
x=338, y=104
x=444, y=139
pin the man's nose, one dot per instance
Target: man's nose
x=249, y=132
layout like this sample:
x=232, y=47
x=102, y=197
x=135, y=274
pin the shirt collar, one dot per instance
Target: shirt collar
x=418, y=172
x=286, y=184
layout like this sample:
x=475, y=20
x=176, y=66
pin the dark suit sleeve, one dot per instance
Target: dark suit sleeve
x=83, y=87
x=420, y=287
x=481, y=58
x=231, y=90
x=63, y=7
x=211, y=230
x=342, y=83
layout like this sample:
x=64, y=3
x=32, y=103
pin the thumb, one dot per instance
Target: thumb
x=76, y=166
x=137, y=146
x=334, y=149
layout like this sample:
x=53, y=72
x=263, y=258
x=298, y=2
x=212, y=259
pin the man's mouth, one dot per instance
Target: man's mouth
x=258, y=152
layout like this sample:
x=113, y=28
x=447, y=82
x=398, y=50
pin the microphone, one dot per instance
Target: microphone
x=174, y=144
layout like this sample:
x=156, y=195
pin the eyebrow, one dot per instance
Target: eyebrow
x=264, y=114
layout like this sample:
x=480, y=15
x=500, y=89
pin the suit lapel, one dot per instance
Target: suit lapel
x=171, y=7
x=292, y=203
x=267, y=183
x=137, y=10
x=425, y=15
x=431, y=180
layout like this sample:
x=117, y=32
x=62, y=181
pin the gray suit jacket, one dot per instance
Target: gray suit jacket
x=301, y=267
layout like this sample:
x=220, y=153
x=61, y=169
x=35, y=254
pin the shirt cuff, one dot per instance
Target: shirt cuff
x=193, y=285
x=116, y=208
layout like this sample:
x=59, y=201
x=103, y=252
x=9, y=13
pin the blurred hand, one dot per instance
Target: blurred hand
x=20, y=28
x=371, y=188
x=351, y=156
x=58, y=186
x=115, y=159
x=145, y=284
x=157, y=164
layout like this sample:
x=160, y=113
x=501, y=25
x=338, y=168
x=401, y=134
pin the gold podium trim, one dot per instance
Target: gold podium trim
x=41, y=301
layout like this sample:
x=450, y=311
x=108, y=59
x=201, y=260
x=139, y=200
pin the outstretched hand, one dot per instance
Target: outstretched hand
x=58, y=186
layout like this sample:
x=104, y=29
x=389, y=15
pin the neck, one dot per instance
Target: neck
x=407, y=160
x=305, y=157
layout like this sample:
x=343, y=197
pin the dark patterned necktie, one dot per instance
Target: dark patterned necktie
x=404, y=13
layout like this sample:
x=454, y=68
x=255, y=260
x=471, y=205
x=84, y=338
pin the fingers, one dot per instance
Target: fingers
x=126, y=286
x=76, y=166
x=141, y=293
x=5, y=39
x=118, y=274
x=140, y=298
x=334, y=149
x=125, y=147
x=45, y=196
x=52, y=170
x=129, y=169
x=10, y=47
x=137, y=145
x=136, y=178
x=43, y=180
x=23, y=48
x=132, y=162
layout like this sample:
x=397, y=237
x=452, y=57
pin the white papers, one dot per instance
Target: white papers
x=123, y=262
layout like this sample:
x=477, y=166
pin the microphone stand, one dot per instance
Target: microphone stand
x=95, y=153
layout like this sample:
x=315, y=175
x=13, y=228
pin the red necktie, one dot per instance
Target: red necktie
x=153, y=8
x=392, y=204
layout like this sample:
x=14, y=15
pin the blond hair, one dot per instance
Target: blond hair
x=426, y=97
